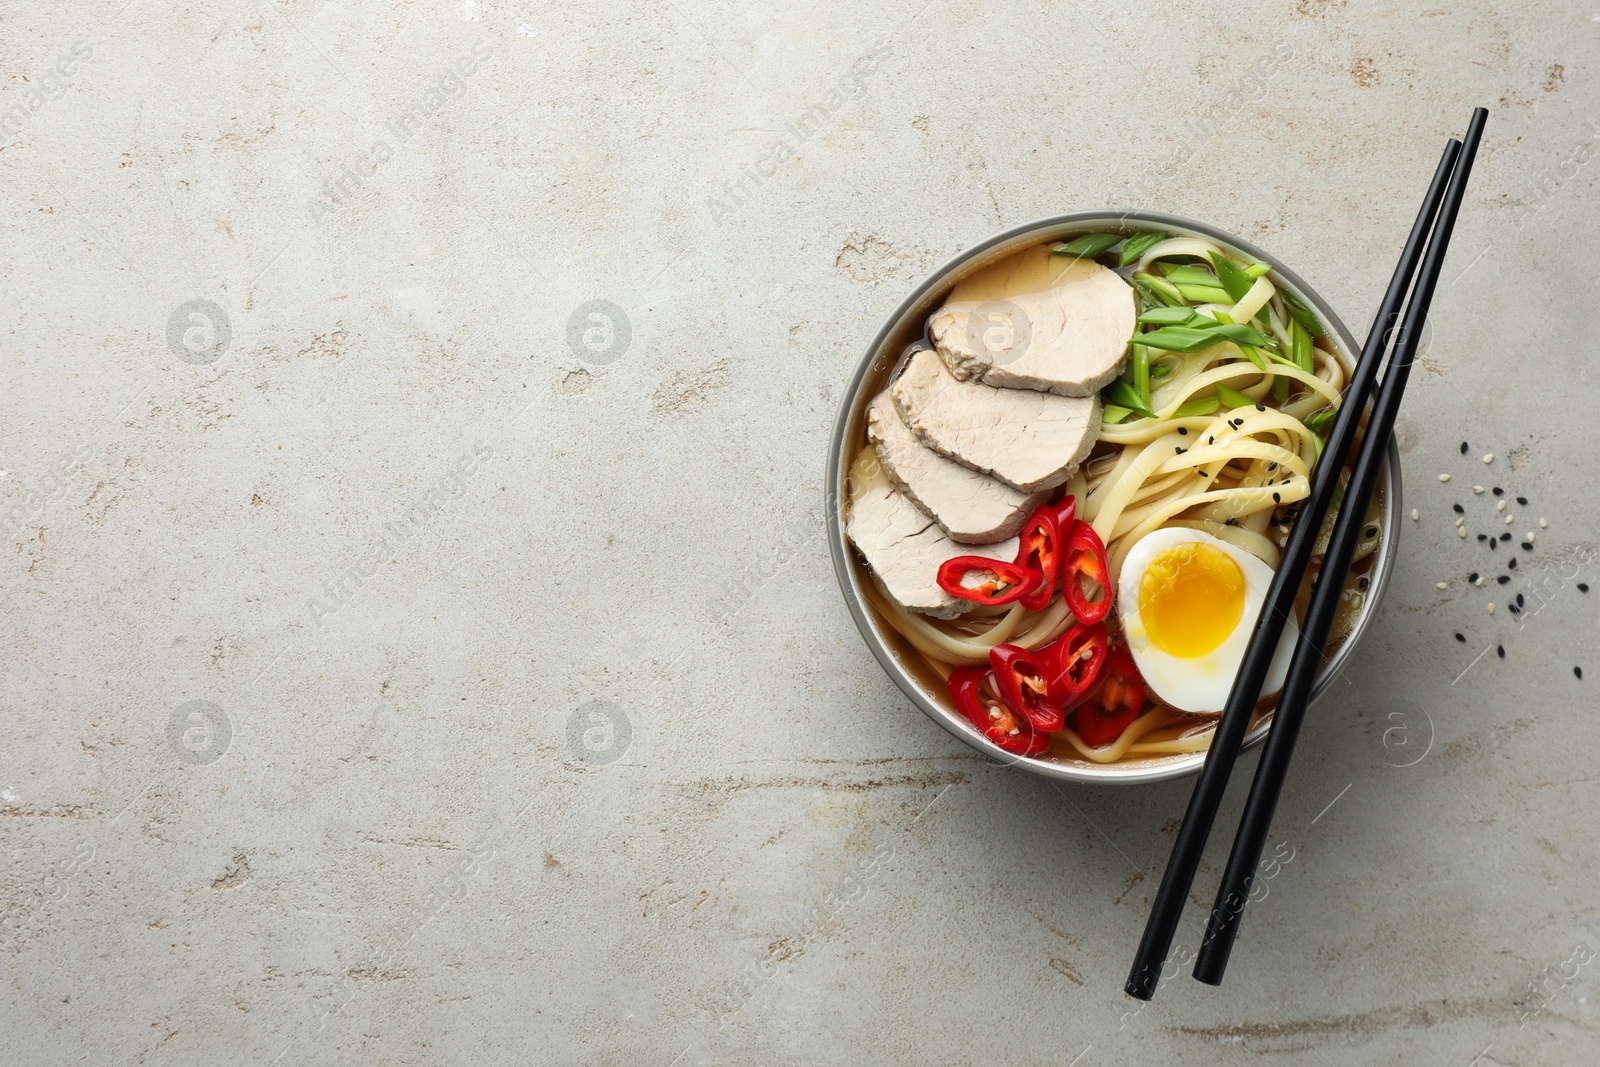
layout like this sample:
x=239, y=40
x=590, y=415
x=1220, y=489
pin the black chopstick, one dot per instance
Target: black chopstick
x=1202, y=812
x=1347, y=531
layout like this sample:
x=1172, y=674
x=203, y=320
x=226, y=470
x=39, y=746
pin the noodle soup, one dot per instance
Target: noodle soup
x=1206, y=436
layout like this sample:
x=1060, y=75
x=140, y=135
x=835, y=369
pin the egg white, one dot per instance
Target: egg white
x=1200, y=684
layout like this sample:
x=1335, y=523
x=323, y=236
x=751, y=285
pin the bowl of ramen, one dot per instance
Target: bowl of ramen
x=1061, y=478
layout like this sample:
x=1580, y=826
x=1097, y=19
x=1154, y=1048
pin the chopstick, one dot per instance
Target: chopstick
x=1167, y=907
x=1273, y=769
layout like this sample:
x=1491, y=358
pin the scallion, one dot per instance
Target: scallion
x=1138, y=245
x=1189, y=274
x=1179, y=339
x=1112, y=414
x=1163, y=288
x=1303, y=315
x=1232, y=397
x=1300, y=346
x=1141, y=373
x=1123, y=395
x=1239, y=334
x=1235, y=281
x=1206, y=405
x=1168, y=316
x=1148, y=297
x=1204, y=294
x=1319, y=423
x=1088, y=246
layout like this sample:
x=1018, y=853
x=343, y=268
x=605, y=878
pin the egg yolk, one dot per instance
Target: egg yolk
x=1191, y=598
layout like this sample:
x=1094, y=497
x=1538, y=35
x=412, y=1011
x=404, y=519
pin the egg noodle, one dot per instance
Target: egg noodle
x=1235, y=474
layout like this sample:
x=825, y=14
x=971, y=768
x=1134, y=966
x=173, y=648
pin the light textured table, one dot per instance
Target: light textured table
x=438, y=395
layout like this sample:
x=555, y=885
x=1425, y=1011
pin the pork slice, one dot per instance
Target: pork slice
x=1027, y=439
x=903, y=544
x=970, y=507
x=1040, y=321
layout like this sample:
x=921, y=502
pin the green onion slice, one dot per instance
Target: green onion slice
x=1088, y=246
x=1138, y=245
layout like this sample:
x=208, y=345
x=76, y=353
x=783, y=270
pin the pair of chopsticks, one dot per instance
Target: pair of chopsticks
x=1442, y=203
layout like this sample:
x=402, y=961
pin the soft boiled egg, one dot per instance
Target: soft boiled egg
x=1189, y=602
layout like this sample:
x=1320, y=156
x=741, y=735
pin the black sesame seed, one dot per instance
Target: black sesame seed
x=1276, y=499
x=1183, y=431
x=1372, y=531
x=1520, y=601
x=1577, y=672
x=1179, y=451
x=1472, y=577
x=1514, y=609
x=1463, y=448
x=1511, y=564
x=1505, y=537
x=1583, y=587
x=1493, y=542
x=1522, y=500
x=1459, y=510
x=1261, y=407
x=1462, y=638
x=1483, y=537
x=1211, y=440
x=1499, y=491
x=1272, y=466
x=1527, y=546
x=1503, y=579
x=1500, y=650
x=1362, y=582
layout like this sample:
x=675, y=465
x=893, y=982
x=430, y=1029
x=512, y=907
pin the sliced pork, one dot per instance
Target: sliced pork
x=903, y=545
x=1027, y=439
x=1036, y=320
x=972, y=508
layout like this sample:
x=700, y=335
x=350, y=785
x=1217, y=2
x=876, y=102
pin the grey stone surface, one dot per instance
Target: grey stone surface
x=531, y=726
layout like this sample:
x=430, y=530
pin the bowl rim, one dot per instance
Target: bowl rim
x=835, y=492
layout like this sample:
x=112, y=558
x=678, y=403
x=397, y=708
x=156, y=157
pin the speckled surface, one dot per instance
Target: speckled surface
x=410, y=660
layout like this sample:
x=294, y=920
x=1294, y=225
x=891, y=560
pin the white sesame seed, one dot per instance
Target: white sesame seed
x=1441, y=585
x=1501, y=506
x=1444, y=477
x=994, y=712
x=1461, y=531
x=1488, y=457
x=1480, y=581
x=1509, y=518
x=1490, y=609
x=1415, y=515
x=1542, y=523
x=1478, y=489
x=1531, y=537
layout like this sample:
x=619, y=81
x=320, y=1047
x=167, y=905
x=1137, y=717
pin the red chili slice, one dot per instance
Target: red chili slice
x=1077, y=659
x=1084, y=561
x=1115, y=703
x=989, y=714
x=1024, y=681
x=1066, y=510
x=1004, y=583
x=1041, y=552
